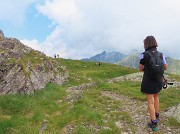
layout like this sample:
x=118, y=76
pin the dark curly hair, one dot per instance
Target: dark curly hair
x=150, y=41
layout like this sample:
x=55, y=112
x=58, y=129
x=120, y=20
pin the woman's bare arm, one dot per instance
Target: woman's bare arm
x=165, y=66
x=141, y=67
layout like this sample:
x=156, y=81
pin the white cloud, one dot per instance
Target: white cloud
x=33, y=44
x=14, y=11
x=87, y=27
x=60, y=11
x=90, y=26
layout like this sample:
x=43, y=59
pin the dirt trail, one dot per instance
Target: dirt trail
x=135, y=108
x=139, y=114
x=138, y=109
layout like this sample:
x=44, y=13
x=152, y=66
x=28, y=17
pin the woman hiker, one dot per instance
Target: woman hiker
x=151, y=87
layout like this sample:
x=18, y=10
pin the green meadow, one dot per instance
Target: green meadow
x=47, y=111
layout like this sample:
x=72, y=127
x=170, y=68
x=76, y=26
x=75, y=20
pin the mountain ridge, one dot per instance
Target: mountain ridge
x=108, y=57
x=132, y=60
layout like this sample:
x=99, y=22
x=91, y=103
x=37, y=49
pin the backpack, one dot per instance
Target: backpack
x=156, y=66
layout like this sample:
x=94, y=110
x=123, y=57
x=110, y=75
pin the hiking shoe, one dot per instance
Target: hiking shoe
x=153, y=125
x=157, y=118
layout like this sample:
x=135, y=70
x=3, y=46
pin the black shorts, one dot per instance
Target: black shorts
x=150, y=86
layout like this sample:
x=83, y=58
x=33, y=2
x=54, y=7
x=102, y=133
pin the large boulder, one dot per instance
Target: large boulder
x=174, y=112
x=24, y=70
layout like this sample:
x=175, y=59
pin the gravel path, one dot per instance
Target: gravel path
x=136, y=109
x=139, y=114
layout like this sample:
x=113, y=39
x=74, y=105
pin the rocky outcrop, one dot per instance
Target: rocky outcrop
x=24, y=70
x=131, y=77
x=75, y=92
x=174, y=112
x=1, y=34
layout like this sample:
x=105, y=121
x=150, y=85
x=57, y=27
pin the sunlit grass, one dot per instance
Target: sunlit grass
x=92, y=113
x=86, y=71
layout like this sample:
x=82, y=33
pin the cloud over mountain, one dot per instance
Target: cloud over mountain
x=85, y=27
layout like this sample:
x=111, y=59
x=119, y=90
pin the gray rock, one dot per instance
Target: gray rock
x=21, y=72
x=177, y=113
x=131, y=77
x=75, y=92
x=174, y=112
x=1, y=34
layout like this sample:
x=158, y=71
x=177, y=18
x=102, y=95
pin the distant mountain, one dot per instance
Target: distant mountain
x=173, y=65
x=132, y=60
x=107, y=57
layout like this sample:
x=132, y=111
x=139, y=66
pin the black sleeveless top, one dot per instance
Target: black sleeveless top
x=148, y=85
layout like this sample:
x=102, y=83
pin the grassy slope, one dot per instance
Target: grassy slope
x=25, y=114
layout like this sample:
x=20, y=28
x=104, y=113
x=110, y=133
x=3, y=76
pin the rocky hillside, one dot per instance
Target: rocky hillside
x=24, y=70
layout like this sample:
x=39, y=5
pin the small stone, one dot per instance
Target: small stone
x=168, y=129
x=124, y=132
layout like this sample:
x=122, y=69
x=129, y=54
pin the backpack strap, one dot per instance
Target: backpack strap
x=149, y=53
x=158, y=53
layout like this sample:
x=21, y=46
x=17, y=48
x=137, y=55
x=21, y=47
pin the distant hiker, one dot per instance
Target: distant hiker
x=99, y=64
x=58, y=56
x=153, y=64
x=55, y=56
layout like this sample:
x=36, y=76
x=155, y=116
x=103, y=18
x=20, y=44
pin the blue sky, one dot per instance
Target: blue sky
x=33, y=24
x=82, y=28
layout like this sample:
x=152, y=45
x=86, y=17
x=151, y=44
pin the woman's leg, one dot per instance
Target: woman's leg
x=151, y=107
x=156, y=103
